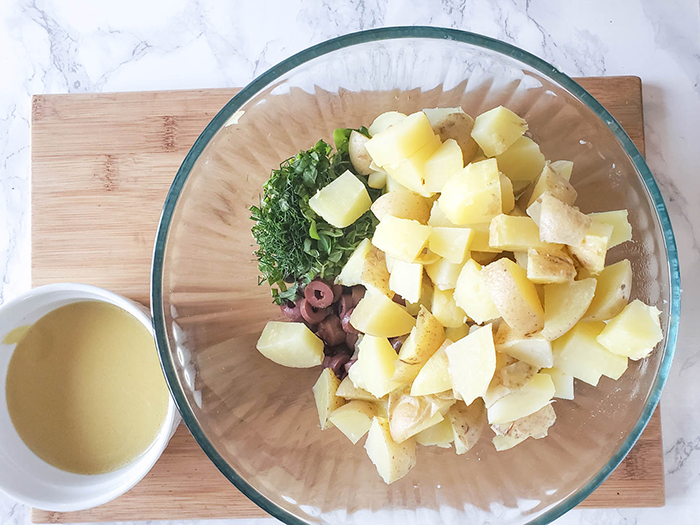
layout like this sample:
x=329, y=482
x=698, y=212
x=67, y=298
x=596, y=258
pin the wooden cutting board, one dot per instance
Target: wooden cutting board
x=101, y=167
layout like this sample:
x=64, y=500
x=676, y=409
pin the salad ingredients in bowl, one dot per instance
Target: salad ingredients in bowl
x=438, y=268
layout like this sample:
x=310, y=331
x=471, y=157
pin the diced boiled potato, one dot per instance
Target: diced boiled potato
x=472, y=195
x=410, y=172
x=591, y=252
x=351, y=273
x=376, y=363
x=472, y=363
x=348, y=390
x=535, y=425
x=444, y=274
x=514, y=295
x=290, y=344
x=427, y=257
x=521, y=258
x=405, y=373
x=531, y=348
x=424, y=340
x=563, y=168
x=426, y=299
x=325, y=396
x=454, y=123
x=392, y=185
x=516, y=234
x=468, y=422
x=377, y=179
x=407, y=280
x=634, y=332
x=353, y=419
x=456, y=333
x=409, y=415
x=496, y=130
x=343, y=201
x=622, y=230
x=559, y=222
x=522, y=161
x=446, y=310
x=400, y=140
x=611, y=293
x=450, y=243
x=516, y=375
x=472, y=294
x=438, y=217
x=506, y=442
x=403, y=205
x=366, y=266
x=536, y=394
x=433, y=376
x=403, y=239
x=446, y=160
x=544, y=267
x=359, y=158
x=379, y=316
x=507, y=194
x=563, y=383
x=579, y=354
x=480, y=239
x=564, y=306
x=393, y=460
x=440, y=435
x=548, y=181
x=383, y=121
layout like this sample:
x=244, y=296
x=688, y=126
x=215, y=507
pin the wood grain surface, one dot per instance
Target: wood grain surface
x=101, y=167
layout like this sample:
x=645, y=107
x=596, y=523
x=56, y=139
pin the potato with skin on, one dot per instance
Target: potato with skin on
x=622, y=230
x=544, y=267
x=290, y=344
x=533, y=349
x=403, y=239
x=446, y=160
x=502, y=443
x=455, y=124
x=509, y=233
x=409, y=415
x=410, y=172
x=406, y=279
x=377, y=180
x=472, y=363
x=393, y=460
x=591, y=252
x=530, y=398
x=560, y=223
x=514, y=296
x=366, y=266
x=376, y=363
x=403, y=205
x=451, y=243
x=468, y=422
x=379, y=316
x=444, y=274
x=472, y=195
x=515, y=375
x=424, y=340
x=472, y=294
x=548, y=181
x=353, y=419
x=497, y=129
x=445, y=309
x=522, y=161
x=612, y=292
x=563, y=383
x=347, y=390
x=343, y=201
x=634, y=332
x=579, y=354
x=359, y=158
x=400, y=140
x=535, y=426
x=433, y=376
x=325, y=396
x=440, y=435
x=564, y=306
x=563, y=168
x=384, y=121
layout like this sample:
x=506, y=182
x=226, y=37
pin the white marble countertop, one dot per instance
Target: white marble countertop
x=69, y=46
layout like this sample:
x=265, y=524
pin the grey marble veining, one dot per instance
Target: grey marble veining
x=66, y=46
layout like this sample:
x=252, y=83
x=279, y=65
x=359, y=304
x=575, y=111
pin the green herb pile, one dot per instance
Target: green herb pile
x=295, y=244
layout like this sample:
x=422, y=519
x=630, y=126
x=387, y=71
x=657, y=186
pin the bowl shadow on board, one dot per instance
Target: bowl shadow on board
x=218, y=312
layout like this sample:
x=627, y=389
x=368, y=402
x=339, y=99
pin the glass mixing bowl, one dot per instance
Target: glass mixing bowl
x=257, y=420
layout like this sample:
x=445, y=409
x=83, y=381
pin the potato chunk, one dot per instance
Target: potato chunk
x=472, y=294
x=444, y=274
x=516, y=234
x=634, y=332
x=496, y=130
x=410, y=172
x=472, y=363
x=409, y=415
x=325, y=396
x=424, y=340
x=403, y=239
x=560, y=223
x=434, y=376
x=622, y=230
x=403, y=205
x=290, y=344
x=468, y=422
x=611, y=293
x=348, y=390
x=380, y=316
x=359, y=158
x=514, y=295
x=455, y=124
x=393, y=460
x=533, y=396
x=481, y=238
x=451, y=243
x=533, y=349
x=535, y=426
x=401, y=140
x=544, y=267
x=564, y=305
x=407, y=280
x=353, y=419
x=384, y=121
x=376, y=363
x=445, y=161
x=563, y=383
x=440, y=435
x=377, y=180
x=548, y=181
x=522, y=161
x=472, y=195
x=579, y=354
x=591, y=252
x=563, y=168
x=446, y=310
x=341, y=202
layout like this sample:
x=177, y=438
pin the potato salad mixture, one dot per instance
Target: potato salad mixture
x=438, y=269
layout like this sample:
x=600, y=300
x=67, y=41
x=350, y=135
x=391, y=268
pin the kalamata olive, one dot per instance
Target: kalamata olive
x=344, y=304
x=337, y=291
x=358, y=292
x=351, y=340
x=349, y=364
x=291, y=311
x=319, y=294
x=399, y=300
x=331, y=330
x=310, y=313
x=345, y=322
x=397, y=342
x=336, y=363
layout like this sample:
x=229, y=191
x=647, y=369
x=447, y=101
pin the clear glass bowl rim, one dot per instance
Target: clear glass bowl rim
x=391, y=33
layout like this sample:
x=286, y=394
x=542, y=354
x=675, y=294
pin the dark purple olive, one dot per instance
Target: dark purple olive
x=291, y=311
x=344, y=304
x=345, y=322
x=358, y=292
x=350, y=340
x=310, y=313
x=336, y=363
x=331, y=330
x=397, y=342
x=319, y=294
x=337, y=292
x=399, y=300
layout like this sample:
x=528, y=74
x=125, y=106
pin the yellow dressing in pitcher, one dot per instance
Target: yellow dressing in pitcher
x=84, y=388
